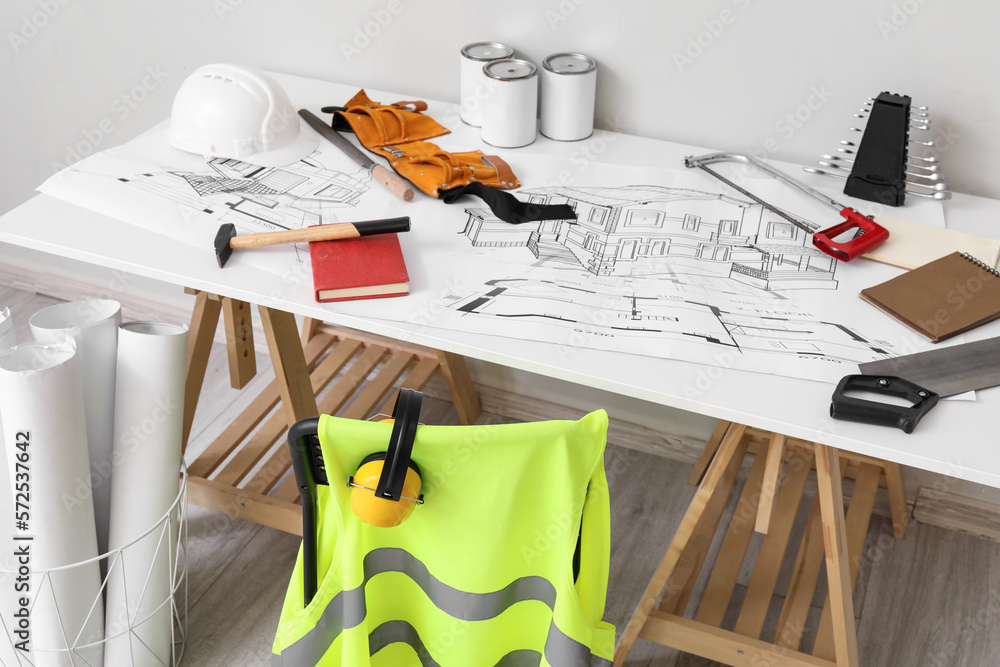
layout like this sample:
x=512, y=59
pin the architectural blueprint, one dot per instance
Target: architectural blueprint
x=667, y=271
x=660, y=261
x=291, y=197
x=649, y=230
x=186, y=197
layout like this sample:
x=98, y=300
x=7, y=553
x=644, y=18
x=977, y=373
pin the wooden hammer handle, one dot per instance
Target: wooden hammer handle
x=340, y=230
x=322, y=233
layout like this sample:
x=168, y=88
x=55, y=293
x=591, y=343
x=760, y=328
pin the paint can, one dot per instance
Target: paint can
x=510, y=114
x=474, y=90
x=569, y=84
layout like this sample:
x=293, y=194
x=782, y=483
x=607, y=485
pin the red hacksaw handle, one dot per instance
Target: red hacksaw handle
x=873, y=235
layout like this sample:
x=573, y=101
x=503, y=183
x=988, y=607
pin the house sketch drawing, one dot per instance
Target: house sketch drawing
x=642, y=229
x=289, y=197
x=665, y=272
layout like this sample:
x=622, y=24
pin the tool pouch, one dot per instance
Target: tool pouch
x=432, y=169
x=399, y=132
x=380, y=125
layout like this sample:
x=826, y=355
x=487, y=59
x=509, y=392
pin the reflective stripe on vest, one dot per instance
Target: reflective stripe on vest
x=347, y=610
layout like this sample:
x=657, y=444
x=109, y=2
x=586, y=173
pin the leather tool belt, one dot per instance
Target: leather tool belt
x=399, y=132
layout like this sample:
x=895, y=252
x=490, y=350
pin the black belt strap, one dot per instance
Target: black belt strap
x=507, y=207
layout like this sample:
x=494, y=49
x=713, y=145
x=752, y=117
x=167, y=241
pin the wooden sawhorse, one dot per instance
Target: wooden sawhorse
x=359, y=373
x=768, y=504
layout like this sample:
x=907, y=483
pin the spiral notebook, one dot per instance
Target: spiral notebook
x=942, y=298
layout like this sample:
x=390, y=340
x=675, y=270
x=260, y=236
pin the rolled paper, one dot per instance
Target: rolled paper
x=149, y=411
x=45, y=431
x=93, y=324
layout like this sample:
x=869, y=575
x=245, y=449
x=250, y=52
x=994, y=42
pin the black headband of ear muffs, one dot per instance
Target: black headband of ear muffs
x=397, y=458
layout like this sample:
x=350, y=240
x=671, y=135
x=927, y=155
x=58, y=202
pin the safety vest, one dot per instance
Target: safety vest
x=482, y=574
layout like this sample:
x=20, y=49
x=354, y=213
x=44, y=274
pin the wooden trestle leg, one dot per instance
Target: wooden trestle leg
x=326, y=369
x=769, y=503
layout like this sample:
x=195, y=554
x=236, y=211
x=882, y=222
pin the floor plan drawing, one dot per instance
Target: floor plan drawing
x=298, y=195
x=640, y=229
x=643, y=318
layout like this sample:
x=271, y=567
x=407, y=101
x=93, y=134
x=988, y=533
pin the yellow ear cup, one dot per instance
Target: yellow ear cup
x=379, y=511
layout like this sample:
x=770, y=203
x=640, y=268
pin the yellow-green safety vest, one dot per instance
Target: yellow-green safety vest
x=482, y=574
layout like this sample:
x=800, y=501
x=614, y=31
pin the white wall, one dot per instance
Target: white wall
x=743, y=75
x=722, y=74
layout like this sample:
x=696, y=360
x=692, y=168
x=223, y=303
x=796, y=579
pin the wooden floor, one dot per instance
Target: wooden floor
x=931, y=600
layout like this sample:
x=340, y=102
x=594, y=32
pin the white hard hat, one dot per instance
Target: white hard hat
x=240, y=113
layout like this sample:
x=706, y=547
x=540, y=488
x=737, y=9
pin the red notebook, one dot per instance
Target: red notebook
x=367, y=267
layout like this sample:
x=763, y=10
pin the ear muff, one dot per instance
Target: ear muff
x=386, y=487
x=383, y=512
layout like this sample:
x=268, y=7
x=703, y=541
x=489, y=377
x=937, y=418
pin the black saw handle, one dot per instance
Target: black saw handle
x=861, y=410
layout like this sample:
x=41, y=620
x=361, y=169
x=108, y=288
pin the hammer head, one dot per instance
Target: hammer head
x=222, y=248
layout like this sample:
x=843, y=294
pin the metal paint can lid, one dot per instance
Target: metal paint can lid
x=569, y=63
x=486, y=51
x=510, y=69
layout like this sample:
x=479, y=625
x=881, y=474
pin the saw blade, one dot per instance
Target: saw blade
x=947, y=371
x=807, y=227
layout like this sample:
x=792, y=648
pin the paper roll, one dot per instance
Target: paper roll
x=147, y=457
x=44, y=427
x=8, y=563
x=93, y=324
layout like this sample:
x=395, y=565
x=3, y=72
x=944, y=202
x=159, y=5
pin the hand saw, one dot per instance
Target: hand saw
x=920, y=378
x=869, y=233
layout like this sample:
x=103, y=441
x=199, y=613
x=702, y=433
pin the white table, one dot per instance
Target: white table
x=955, y=439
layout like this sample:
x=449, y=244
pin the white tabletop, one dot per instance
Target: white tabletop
x=956, y=438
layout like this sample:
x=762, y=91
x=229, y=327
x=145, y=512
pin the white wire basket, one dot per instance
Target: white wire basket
x=144, y=607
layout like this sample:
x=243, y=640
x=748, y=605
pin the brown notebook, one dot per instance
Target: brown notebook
x=942, y=298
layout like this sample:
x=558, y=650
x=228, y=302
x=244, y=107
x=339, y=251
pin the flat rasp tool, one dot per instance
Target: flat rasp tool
x=389, y=180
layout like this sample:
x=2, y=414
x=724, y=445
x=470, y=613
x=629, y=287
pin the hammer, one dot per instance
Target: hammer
x=226, y=238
